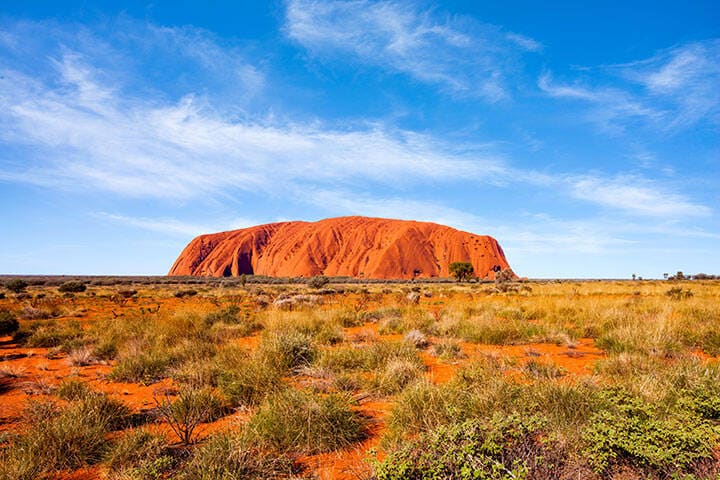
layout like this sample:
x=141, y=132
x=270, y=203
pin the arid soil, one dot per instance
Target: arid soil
x=33, y=373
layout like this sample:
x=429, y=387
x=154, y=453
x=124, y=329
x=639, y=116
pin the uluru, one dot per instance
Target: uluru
x=363, y=247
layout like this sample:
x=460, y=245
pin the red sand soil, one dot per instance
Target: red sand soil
x=35, y=373
x=345, y=246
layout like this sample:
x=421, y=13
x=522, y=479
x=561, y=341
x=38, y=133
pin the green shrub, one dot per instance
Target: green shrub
x=370, y=357
x=72, y=287
x=249, y=382
x=448, y=350
x=244, y=321
x=8, y=323
x=703, y=400
x=16, y=286
x=537, y=369
x=461, y=270
x=492, y=331
x=306, y=423
x=631, y=432
x=504, y=448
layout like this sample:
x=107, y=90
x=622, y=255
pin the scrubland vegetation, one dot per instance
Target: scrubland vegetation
x=550, y=380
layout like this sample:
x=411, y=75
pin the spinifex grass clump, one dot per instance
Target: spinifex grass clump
x=62, y=438
x=49, y=333
x=231, y=455
x=139, y=454
x=307, y=423
x=286, y=349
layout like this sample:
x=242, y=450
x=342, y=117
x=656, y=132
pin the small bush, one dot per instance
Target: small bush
x=537, y=369
x=233, y=315
x=504, y=448
x=185, y=293
x=245, y=380
x=48, y=334
x=631, y=432
x=367, y=358
x=8, y=323
x=72, y=287
x=146, y=368
x=73, y=390
x=416, y=338
x=448, y=350
x=678, y=293
x=318, y=282
x=16, y=286
x=306, y=423
x=186, y=412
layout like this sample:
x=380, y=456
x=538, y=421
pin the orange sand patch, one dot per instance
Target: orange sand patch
x=577, y=360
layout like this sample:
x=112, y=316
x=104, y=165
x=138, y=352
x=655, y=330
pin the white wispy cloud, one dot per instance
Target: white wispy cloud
x=74, y=126
x=610, y=108
x=174, y=226
x=459, y=54
x=635, y=195
x=686, y=76
x=88, y=133
x=674, y=89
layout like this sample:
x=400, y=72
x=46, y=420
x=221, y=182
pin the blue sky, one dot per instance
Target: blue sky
x=584, y=138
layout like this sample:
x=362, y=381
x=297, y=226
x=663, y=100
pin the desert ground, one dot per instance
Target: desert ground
x=233, y=378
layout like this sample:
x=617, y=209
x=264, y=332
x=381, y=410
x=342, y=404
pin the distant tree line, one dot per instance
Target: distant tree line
x=697, y=276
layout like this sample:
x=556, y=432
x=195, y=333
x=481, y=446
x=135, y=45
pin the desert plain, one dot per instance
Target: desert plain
x=176, y=377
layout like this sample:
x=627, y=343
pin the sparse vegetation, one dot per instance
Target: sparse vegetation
x=554, y=380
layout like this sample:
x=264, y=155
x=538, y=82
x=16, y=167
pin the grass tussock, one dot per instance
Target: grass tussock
x=301, y=422
x=62, y=438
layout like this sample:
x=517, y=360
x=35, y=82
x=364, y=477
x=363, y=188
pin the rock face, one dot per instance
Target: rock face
x=346, y=246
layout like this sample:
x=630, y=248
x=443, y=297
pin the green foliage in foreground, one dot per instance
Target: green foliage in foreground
x=509, y=447
x=632, y=432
